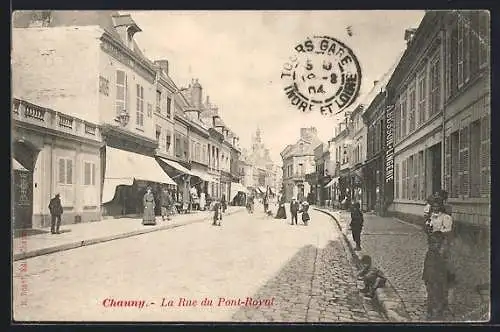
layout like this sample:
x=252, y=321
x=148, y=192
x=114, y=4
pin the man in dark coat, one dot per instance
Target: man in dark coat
x=294, y=210
x=56, y=211
x=166, y=205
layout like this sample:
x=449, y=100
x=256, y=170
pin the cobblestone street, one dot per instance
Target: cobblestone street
x=399, y=249
x=305, y=272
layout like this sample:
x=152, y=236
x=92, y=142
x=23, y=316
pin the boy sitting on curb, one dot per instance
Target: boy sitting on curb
x=372, y=277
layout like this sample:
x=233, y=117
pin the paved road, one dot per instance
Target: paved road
x=292, y=273
x=399, y=249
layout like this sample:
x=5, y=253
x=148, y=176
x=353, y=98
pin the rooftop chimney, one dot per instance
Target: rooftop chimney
x=163, y=64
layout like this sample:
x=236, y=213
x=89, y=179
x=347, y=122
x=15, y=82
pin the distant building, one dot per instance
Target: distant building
x=259, y=172
x=298, y=160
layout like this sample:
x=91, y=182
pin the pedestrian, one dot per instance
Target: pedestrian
x=223, y=203
x=266, y=203
x=217, y=217
x=203, y=201
x=435, y=277
x=56, y=211
x=356, y=224
x=305, y=212
x=149, y=208
x=294, y=210
x=281, y=213
x=166, y=205
x=372, y=277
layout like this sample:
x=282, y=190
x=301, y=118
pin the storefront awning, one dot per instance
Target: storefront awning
x=16, y=165
x=203, y=176
x=236, y=188
x=331, y=183
x=176, y=166
x=122, y=167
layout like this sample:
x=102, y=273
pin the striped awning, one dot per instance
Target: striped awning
x=331, y=183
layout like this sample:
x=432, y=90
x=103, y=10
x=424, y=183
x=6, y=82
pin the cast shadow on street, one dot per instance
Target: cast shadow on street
x=315, y=285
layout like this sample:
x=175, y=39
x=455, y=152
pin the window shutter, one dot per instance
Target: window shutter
x=62, y=170
x=447, y=163
x=404, y=177
x=485, y=157
x=454, y=60
x=69, y=171
x=464, y=161
x=416, y=182
x=421, y=158
x=396, y=180
x=397, y=122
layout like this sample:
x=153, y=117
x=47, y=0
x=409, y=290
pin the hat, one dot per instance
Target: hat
x=57, y=195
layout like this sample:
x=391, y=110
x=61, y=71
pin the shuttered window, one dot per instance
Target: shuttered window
x=454, y=166
x=464, y=161
x=475, y=159
x=421, y=162
x=403, y=115
x=396, y=180
x=411, y=108
x=410, y=178
x=485, y=157
x=404, y=176
x=397, y=122
x=447, y=164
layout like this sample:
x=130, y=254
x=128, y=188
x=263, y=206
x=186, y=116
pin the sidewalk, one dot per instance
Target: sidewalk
x=398, y=248
x=79, y=235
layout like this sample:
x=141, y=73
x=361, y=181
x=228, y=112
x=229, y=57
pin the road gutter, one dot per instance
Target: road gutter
x=386, y=298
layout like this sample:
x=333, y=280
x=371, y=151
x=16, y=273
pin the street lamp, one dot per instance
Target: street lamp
x=123, y=117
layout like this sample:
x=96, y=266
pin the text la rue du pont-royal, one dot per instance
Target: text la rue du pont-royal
x=184, y=302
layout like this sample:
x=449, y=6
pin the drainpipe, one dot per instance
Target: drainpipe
x=443, y=99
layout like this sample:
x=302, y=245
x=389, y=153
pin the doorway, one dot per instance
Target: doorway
x=435, y=166
x=26, y=155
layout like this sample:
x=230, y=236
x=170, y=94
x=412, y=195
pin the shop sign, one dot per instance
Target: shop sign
x=389, y=144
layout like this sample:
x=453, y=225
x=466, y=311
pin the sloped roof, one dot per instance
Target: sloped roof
x=67, y=18
x=381, y=84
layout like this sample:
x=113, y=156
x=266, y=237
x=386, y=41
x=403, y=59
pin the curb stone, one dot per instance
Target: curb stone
x=82, y=243
x=387, y=297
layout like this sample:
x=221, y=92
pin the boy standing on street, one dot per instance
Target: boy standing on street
x=435, y=276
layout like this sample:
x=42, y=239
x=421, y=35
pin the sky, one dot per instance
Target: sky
x=238, y=57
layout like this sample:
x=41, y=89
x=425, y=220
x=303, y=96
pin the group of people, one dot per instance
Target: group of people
x=296, y=207
x=438, y=273
x=166, y=205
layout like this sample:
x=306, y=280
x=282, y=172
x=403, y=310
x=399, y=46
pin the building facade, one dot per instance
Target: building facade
x=441, y=93
x=58, y=153
x=298, y=160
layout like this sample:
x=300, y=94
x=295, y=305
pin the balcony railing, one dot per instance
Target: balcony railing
x=39, y=116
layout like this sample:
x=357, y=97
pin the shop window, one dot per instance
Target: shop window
x=404, y=181
x=411, y=182
x=421, y=162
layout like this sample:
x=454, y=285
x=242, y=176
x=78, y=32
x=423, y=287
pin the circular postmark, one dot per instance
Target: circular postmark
x=322, y=75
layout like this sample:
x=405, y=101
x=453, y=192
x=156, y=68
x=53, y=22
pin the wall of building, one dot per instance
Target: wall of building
x=108, y=110
x=50, y=71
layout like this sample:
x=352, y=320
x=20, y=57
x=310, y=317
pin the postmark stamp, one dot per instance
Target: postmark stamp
x=322, y=75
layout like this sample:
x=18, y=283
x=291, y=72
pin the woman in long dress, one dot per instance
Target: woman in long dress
x=149, y=208
x=281, y=214
x=203, y=201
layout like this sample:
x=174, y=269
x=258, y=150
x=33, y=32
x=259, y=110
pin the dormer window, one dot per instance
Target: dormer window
x=127, y=28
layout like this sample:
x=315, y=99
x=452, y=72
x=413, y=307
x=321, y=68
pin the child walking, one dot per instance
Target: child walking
x=356, y=224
